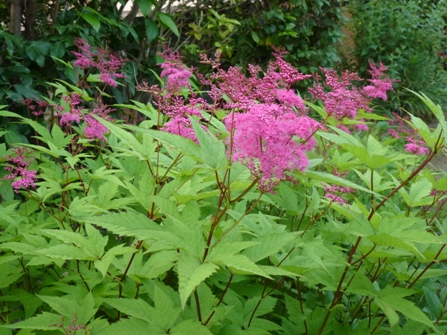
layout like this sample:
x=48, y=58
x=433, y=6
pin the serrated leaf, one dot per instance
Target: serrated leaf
x=191, y=273
x=419, y=190
x=66, y=252
x=407, y=308
x=267, y=245
x=159, y=263
x=190, y=327
x=44, y=321
x=185, y=145
x=212, y=149
x=131, y=326
x=136, y=308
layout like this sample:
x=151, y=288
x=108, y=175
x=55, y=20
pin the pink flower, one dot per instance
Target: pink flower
x=177, y=74
x=18, y=168
x=94, y=129
x=68, y=118
x=106, y=78
x=381, y=83
x=180, y=125
x=290, y=98
x=416, y=149
x=264, y=140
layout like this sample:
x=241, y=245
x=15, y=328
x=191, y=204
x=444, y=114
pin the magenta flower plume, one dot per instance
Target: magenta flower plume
x=267, y=140
x=108, y=64
x=341, y=96
x=19, y=171
x=381, y=83
x=176, y=73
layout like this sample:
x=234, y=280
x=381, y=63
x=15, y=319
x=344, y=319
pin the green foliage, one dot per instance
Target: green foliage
x=246, y=31
x=408, y=36
x=150, y=232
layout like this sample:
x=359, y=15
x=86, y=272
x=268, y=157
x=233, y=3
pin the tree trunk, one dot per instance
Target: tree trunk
x=30, y=19
x=15, y=23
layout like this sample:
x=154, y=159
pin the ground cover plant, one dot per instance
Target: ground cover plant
x=245, y=210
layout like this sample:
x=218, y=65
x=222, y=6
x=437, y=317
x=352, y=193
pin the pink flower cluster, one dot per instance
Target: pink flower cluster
x=176, y=73
x=267, y=120
x=74, y=113
x=415, y=144
x=380, y=83
x=342, y=98
x=18, y=168
x=271, y=141
x=108, y=64
x=270, y=131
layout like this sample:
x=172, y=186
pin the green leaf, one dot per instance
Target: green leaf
x=185, y=145
x=44, y=321
x=57, y=50
x=151, y=29
x=255, y=36
x=159, y=263
x=418, y=191
x=407, y=308
x=191, y=273
x=212, y=149
x=145, y=6
x=91, y=18
x=131, y=326
x=189, y=327
x=136, y=308
x=168, y=22
x=65, y=252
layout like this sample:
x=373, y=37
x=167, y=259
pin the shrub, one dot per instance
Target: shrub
x=408, y=36
x=179, y=225
x=246, y=31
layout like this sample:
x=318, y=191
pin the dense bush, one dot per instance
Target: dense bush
x=409, y=36
x=245, y=31
x=238, y=214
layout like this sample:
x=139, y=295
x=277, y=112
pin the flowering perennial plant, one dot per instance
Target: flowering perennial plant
x=108, y=64
x=149, y=232
x=19, y=171
x=267, y=122
x=341, y=96
x=415, y=144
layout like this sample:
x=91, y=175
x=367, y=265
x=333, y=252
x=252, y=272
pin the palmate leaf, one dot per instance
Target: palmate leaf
x=191, y=273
